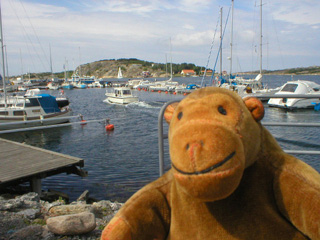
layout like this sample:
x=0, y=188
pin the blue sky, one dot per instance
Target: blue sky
x=79, y=31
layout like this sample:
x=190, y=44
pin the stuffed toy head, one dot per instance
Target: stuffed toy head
x=213, y=136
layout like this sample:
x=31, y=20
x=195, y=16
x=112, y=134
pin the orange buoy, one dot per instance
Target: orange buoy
x=83, y=122
x=185, y=94
x=145, y=90
x=159, y=91
x=139, y=89
x=166, y=92
x=174, y=93
x=109, y=127
x=152, y=90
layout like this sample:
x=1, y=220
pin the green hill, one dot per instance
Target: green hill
x=134, y=68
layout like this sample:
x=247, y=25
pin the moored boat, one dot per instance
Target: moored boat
x=294, y=90
x=53, y=86
x=66, y=85
x=17, y=111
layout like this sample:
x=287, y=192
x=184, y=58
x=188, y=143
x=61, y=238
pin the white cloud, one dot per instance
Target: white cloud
x=188, y=26
x=193, y=39
x=193, y=5
x=302, y=12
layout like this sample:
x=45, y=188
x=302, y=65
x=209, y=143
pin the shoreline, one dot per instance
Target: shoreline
x=27, y=217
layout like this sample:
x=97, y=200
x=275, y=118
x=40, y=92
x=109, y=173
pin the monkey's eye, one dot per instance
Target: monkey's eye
x=222, y=110
x=180, y=114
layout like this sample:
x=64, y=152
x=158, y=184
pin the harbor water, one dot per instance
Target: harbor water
x=124, y=160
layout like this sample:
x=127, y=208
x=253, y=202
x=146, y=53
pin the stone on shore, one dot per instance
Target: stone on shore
x=29, y=232
x=69, y=209
x=73, y=224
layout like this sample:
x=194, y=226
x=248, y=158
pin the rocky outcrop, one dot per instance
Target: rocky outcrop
x=28, y=217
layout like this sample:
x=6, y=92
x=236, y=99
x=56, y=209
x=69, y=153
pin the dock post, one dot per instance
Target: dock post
x=35, y=184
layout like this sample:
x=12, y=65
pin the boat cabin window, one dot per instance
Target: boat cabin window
x=289, y=87
x=2, y=105
x=19, y=113
x=4, y=113
x=126, y=92
x=32, y=102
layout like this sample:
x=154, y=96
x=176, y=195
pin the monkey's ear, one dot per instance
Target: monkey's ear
x=168, y=113
x=255, y=106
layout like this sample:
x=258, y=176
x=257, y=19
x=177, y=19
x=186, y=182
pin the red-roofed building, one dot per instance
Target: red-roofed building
x=208, y=72
x=188, y=72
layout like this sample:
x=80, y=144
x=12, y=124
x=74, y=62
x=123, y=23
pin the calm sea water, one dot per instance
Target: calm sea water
x=121, y=162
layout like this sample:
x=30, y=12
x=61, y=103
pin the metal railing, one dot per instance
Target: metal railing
x=162, y=136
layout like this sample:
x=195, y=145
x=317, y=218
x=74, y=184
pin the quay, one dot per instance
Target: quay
x=20, y=163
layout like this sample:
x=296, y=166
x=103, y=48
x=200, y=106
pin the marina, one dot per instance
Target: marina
x=122, y=161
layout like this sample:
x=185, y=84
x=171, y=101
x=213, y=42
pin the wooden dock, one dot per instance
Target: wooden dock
x=24, y=163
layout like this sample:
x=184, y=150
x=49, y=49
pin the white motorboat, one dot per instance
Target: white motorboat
x=120, y=95
x=28, y=111
x=144, y=84
x=296, y=88
x=95, y=84
x=167, y=85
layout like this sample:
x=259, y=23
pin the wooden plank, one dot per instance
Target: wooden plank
x=18, y=161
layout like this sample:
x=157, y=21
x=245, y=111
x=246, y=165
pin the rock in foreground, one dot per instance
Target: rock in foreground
x=27, y=217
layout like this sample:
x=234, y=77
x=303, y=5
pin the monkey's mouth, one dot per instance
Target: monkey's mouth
x=209, y=169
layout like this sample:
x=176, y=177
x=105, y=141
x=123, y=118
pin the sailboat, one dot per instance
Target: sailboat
x=120, y=73
x=166, y=85
x=29, y=110
x=254, y=86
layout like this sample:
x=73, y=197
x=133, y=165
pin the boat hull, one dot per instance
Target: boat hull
x=293, y=103
x=122, y=100
x=16, y=122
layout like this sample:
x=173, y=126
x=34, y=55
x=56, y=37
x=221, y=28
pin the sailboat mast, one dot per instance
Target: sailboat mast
x=65, y=71
x=231, y=41
x=3, y=63
x=166, y=66
x=260, y=36
x=21, y=65
x=221, y=41
x=170, y=59
x=79, y=62
x=51, y=62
